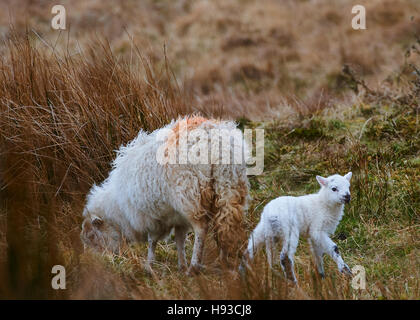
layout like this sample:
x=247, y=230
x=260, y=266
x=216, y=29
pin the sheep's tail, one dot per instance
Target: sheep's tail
x=230, y=187
x=256, y=240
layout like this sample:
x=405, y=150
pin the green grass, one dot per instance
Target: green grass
x=380, y=228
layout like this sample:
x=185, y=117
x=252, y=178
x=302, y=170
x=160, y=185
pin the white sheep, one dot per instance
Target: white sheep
x=144, y=199
x=315, y=216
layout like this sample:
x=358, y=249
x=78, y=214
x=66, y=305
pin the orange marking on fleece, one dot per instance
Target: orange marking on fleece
x=182, y=126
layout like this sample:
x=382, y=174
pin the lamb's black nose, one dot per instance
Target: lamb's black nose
x=347, y=198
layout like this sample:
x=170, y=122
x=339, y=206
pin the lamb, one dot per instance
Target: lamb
x=144, y=199
x=315, y=216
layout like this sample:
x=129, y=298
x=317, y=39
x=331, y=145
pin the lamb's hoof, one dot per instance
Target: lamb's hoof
x=195, y=269
x=231, y=274
x=291, y=283
x=243, y=269
x=346, y=270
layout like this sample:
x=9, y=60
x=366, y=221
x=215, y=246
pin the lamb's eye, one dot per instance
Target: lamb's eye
x=334, y=189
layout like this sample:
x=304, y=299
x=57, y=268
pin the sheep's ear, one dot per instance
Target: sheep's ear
x=348, y=176
x=97, y=222
x=322, y=181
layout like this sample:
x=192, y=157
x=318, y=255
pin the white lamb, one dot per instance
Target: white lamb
x=143, y=199
x=315, y=216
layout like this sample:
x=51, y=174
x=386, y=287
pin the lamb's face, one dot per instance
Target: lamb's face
x=100, y=235
x=336, y=188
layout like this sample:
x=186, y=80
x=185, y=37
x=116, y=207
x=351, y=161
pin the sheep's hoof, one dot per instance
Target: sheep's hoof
x=195, y=269
x=276, y=273
x=182, y=268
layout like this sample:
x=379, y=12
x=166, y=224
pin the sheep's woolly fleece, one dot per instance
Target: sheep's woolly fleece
x=142, y=197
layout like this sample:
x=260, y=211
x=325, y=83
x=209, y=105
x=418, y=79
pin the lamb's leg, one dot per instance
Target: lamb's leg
x=200, y=231
x=329, y=247
x=180, y=235
x=269, y=251
x=287, y=254
x=318, y=257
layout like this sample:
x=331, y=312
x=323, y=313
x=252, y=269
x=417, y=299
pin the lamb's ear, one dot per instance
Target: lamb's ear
x=322, y=181
x=348, y=176
x=97, y=222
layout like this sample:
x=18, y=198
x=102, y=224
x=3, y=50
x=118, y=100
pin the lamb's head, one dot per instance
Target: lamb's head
x=100, y=234
x=336, y=188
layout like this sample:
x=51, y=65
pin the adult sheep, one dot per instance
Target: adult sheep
x=151, y=190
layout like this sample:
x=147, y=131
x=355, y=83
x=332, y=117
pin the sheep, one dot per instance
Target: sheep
x=315, y=216
x=144, y=197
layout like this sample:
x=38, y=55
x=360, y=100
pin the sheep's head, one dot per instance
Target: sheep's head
x=100, y=235
x=336, y=188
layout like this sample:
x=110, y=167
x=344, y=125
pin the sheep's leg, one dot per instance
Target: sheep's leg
x=151, y=252
x=200, y=231
x=318, y=257
x=287, y=254
x=180, y=235
x=329, y=247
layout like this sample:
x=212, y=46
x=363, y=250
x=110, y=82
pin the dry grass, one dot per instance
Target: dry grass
x=61, y=119
x=241, y=57
x=65, y=105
